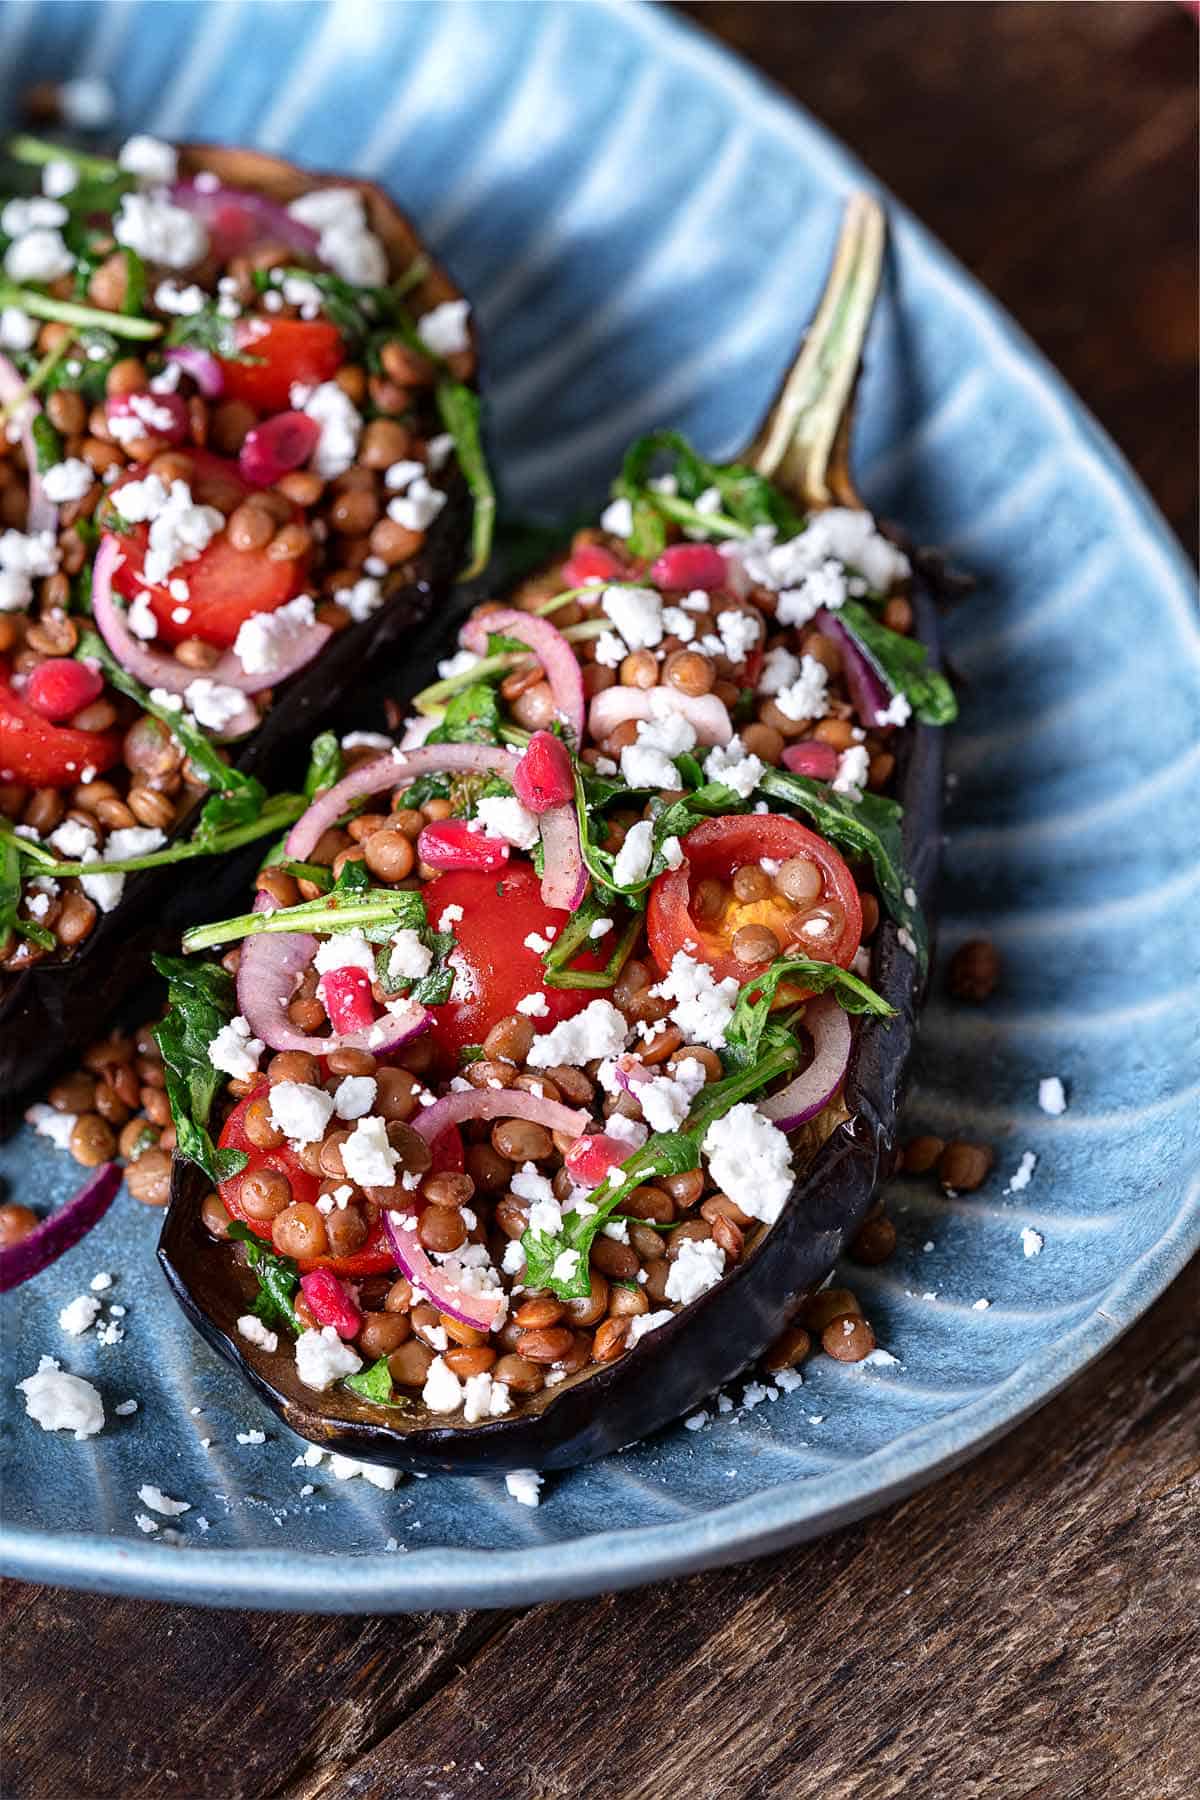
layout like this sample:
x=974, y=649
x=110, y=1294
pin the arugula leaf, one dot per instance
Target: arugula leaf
x=426, y=788
x=10, y=900
x=374, y=1383
x=867, y=827
x=752, y=1012
x=664, y=1153
x=324, y=765
x=70, y=312
x=747, y=499
x=93, y=354
x=201, y=998
x=46, y=443
x=376, y=912
x=278, y=1279
x=576, y=936
x=460, y=412
x=903, y=664
x=210, y=330
x=135, y=282
x=201, y=752
x=434, y=987
x=472, y=717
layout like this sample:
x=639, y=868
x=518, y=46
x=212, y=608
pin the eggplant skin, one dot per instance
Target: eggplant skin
x=50, y=1011
x=674, y=1369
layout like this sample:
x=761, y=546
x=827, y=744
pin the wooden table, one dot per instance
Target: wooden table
x=1027, y=1629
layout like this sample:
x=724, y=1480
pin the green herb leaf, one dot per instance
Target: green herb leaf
x=903, y=663
x=210, y=330
x=472, y=717
x=747, y=498
x=324, y=765
x=278, y=1279
x=374, y=1383
x=744, y=1035
x=46, y=443
x=201, y=999
x=70, y=312
x=460, y=411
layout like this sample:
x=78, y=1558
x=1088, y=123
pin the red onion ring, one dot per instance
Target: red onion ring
x=708, y=716
x=42, y=513
x=201, y=365
x=565, y=877
x=803, y=1098
x=271, y=965
x=868, y=689
x=483, y=1311
x=393, y=769
x=237, y=218
x=57, y=1233
x=496, y=1103
x=552, y=650
x=155, y=668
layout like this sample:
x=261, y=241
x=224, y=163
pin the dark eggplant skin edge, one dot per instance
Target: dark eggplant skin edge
x=51, y=1010
x=675, y=1368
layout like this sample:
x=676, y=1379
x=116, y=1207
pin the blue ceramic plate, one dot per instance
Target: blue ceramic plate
x=631, y=275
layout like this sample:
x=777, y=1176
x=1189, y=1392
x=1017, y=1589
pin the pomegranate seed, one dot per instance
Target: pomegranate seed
x=61, y=687
x=330, y=1302
x=346, y=996
x=451, y=844
x=813, y=758
x=543, y=777
x=591, y=562
x=277, y=445
x=685, y=566
x=146, y=415
x=590, y=1158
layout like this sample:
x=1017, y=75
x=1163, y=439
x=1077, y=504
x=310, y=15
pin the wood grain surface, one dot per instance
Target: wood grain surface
x=1027, y=1629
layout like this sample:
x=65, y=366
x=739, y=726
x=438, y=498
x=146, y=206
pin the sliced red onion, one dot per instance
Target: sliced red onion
x=394, y=769
x=708, y=716
x=496, y=1103
x=565, y=876
x=868, y=688
x=813, y=758
x=236, y=218
x=156, y=668
x=552, y=650
x=271, y=965
x=630, y=1074
x=482, y=1311
x=803, y=1098
x=277, y=446
x=201, y=365
x=56, y=1234
x=42, y=514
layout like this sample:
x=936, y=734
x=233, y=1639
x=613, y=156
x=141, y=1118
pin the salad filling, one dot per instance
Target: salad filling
x=540, y=1013
x=231, y=423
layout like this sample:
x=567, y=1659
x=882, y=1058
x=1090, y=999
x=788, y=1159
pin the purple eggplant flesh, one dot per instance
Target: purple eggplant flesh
x=52, y=1010
x=675, y=1368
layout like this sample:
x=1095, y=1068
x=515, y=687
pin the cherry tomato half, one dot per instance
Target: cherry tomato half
x=716, y=850
x=288, y=350
x=39, y=754
x=225, y=586
x=376, y=1256
x=494, y=967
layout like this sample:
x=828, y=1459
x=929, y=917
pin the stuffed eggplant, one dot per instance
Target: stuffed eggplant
x=565, y=1040
x=241, y=462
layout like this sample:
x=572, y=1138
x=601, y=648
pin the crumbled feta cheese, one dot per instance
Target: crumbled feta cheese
x=17, y=330
x=821, y=587
x=780, y=668
x=367, y=1156
x=634, y=857
x=344, y=1468
x=234, y=1051
x=50, y=1123
x=59, y=178
x=458, y=664
x=527, y=1184
x=565, y=1265
x=101, y=1282
x=361, y=600
x=344, y=241
x=617, y=518
x=354, y=1096
x=345, y=950
x=484, y=1398
x=39, y=256
x=698, y=1267
x=750, y=1159
x=1032, y=1242
x=68, y=480
x=1023, y=1174
x=268, y=641
x=805, y=697
x=898, y=712
x=648, y=1322
x=341, y=427
x=503, y=816
x=180, y=529
x=366, y=740
x=212, y=703
x=149, y=159
x=125, y=1409
x=418, y=507
x=980, y=1305
x=739, y=633
x=410, y=959
x=666, y=1100
x=678, y=623
x=609, y=650
x=145, y=1523
x=534, y=1006
x=524, y=1485
x=735, y=766
x=1052, y=1096
x=444, y=329
x=636, y=614
x=60, y=1402
x=182, y=302
x=79, y=1315
x=300, y=1111
x=598, y=1031
x=160, y=231
x=703, y=1006
x=442, y=1392
x=642, y=766
x=255, y=1332
x=534, y=941
x=513, y=1260
x=258, y=1437
x=451, y=916
x=140, y=617
x=158, y=1502
x=322, y=1358
x=852, y=771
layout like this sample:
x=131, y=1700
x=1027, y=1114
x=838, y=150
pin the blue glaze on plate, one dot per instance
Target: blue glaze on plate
x=630, y=276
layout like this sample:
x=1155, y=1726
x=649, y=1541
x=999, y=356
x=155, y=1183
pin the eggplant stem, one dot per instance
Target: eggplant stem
x=803, y=445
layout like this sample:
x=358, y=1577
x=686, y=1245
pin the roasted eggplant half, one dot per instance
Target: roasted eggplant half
x=222, y=319
x=615, y=976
